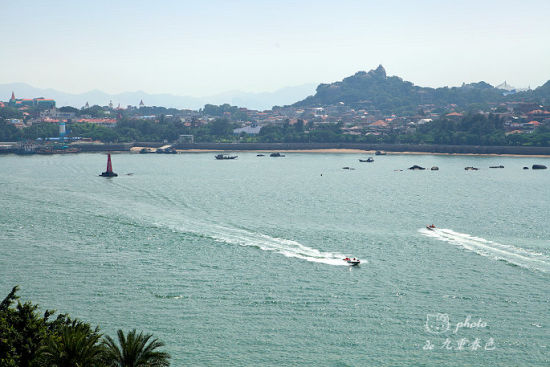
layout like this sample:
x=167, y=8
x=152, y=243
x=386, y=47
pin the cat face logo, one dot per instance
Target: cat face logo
x=437, y=323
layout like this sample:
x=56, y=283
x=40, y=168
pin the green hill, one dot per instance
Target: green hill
x=374, y=90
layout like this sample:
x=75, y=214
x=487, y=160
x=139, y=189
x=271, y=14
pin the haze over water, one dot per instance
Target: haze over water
x=239, y=262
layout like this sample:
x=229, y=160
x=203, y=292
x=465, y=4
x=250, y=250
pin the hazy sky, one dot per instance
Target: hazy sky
x=206, y=47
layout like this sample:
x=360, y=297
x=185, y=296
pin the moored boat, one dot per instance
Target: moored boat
x=168, y=150
x=369, y=160
x=225, y=156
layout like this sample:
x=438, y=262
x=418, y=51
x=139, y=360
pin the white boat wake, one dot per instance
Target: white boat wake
x=246, y=238
x=498, y=251
x=178, y=221
x=282, y=246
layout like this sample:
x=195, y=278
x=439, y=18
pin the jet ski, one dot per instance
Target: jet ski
x=352, y=262
x=430, y=227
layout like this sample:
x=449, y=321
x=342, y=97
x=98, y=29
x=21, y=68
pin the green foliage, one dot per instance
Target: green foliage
x=41, y=130
x=296, y=133
x=76, y=344
x=540, y=137
x=135, y=350
x=8, y=132
x=233, y=113
x=375, y=90
x=10, y=113
x=94, y=131
x=94, y=111
x=220, y=127
x=22, y=331
x=28, y=339
x=472, y=129
x=152, y=110
x=69, y=109
x=128, y=130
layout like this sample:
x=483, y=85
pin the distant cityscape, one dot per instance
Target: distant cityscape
x=518, y=111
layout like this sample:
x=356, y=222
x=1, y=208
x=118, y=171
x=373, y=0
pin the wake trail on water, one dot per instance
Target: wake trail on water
x=232, y=235
x=288, y=248
x=247, y=238
x=497, y=251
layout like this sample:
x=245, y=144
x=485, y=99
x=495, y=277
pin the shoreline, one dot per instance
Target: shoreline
x=315, y=148
x=358, y=151
x=135, y=150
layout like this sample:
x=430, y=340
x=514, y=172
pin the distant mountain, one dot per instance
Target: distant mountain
x=375, y=90
x=258, y=101
x=265, y=100
x=542, y=92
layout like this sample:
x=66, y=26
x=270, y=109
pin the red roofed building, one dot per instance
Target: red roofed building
x=379, y=123
x=378, y=126
x=31, y=102
x=454, y=114
x=514, y=132
x=538, y=114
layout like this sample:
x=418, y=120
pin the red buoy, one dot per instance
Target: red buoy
x=109, y=172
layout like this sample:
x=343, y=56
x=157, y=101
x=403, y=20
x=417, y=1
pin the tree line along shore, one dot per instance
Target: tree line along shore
x=29, y=338
x=468, y=130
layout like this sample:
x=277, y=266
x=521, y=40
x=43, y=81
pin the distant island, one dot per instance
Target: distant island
x=367, y=107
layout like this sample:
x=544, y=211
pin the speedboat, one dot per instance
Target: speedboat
x=352, y=262
x=430, y=227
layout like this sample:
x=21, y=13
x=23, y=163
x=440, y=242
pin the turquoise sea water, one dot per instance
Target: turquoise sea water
x=238, y=262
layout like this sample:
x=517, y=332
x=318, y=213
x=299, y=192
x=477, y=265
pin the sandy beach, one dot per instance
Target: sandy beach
x=351, y=151
x=137, y=149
